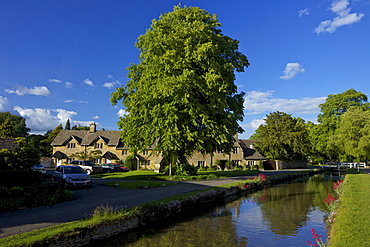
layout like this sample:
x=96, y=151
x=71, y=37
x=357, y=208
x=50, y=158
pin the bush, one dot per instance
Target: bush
x=19, y=178
x=183, y=169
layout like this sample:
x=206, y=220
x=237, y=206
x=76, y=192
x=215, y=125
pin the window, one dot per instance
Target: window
x=124, y=152
x=146, y=152
x=235, y=150
x=99, y=145
x=71, y=145
x=146, y=163
x=201, y=163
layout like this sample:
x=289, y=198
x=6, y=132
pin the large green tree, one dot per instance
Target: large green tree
x=182, y=96
x=352, y=136
x=45, y=144
x=330, y=111
x=283, y=137
x=18, y=123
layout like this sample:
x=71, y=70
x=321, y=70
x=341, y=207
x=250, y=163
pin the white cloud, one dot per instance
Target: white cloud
x=5, y=104
x=55, y=80
x=109, y=84
x=343, y=17
x=69, y=85
x=256, y=102
x=40, y=120
x=89, y=82
x=122, y=113
x=96, y=117
x=291, y=70
x=37, y=90
x=112, y=83
x=303, y=12
x=68, y=101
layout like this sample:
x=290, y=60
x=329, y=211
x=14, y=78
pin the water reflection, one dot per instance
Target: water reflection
x=277, y=216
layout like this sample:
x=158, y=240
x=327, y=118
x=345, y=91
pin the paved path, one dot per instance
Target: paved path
x=87, y=200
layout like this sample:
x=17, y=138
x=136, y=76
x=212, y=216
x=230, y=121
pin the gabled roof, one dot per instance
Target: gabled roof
x=249, y=152
x=7, y=143
x=86, y=137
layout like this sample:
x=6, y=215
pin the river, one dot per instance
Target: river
x=277, y=216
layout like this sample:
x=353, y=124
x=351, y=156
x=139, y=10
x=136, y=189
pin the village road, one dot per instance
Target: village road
x=86, y=200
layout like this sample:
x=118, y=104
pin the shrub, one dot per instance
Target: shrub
x=183, y=169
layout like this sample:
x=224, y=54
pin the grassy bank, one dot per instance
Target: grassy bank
x=352, y=221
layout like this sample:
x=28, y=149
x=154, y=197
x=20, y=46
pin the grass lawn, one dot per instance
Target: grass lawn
x=139, y=184
x=352, y=222
x=150, y=175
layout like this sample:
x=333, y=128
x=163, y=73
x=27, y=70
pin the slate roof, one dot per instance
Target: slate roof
x=7, y=143
x=86, y=137
x=250, y=153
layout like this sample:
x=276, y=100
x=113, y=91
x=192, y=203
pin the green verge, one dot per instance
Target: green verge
x=352, y=221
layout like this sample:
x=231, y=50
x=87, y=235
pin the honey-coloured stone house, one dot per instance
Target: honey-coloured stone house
x=68, y=142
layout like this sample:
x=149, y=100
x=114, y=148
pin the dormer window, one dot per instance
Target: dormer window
x=99, y=145
x=71, y=145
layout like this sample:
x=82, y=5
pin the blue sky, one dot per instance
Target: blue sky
x=61, y=60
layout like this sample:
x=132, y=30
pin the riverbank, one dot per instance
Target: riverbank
x=351, y=226
x=108, y=222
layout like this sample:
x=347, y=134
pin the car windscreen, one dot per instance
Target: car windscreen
x=68, y=170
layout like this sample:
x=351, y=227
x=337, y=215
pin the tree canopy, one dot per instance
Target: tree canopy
x=330, y=112
x=182, y=96
x=283, y=137
x=352, y=136
x=18, y=123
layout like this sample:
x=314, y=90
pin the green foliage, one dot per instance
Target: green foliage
x=131, y=162
x=182, y=96
x=87, y=155
x=351, y=138
x=18, y=123
x=44, y=194
x=183, y=169
x=68, y=125
x=334, y=106
x=6, y=129
x=45, y=144
x=282, y=137
x=23, y=157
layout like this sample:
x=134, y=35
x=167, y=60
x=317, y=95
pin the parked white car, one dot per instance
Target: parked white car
x=39, y=168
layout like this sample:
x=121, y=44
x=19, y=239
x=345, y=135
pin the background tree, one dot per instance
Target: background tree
x=24, y=156
x=182, y=95
x=282, y=137
x=352, y=136
x=6, y=129
x=87, y=155
x=334, y=106
x=68, y=125
x=45, y=144
x=18, y=123
x=75, y=127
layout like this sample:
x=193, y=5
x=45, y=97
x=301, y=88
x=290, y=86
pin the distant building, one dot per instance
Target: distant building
x=112, y=148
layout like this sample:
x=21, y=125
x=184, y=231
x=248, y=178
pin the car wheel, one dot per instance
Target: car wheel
x=88, y=171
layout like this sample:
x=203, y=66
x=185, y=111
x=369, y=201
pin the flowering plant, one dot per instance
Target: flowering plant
x=331, y=202
x=318, y=240
x=338, y=187
x=260, y=178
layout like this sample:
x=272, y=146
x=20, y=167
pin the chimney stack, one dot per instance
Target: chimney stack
x=92, y=127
